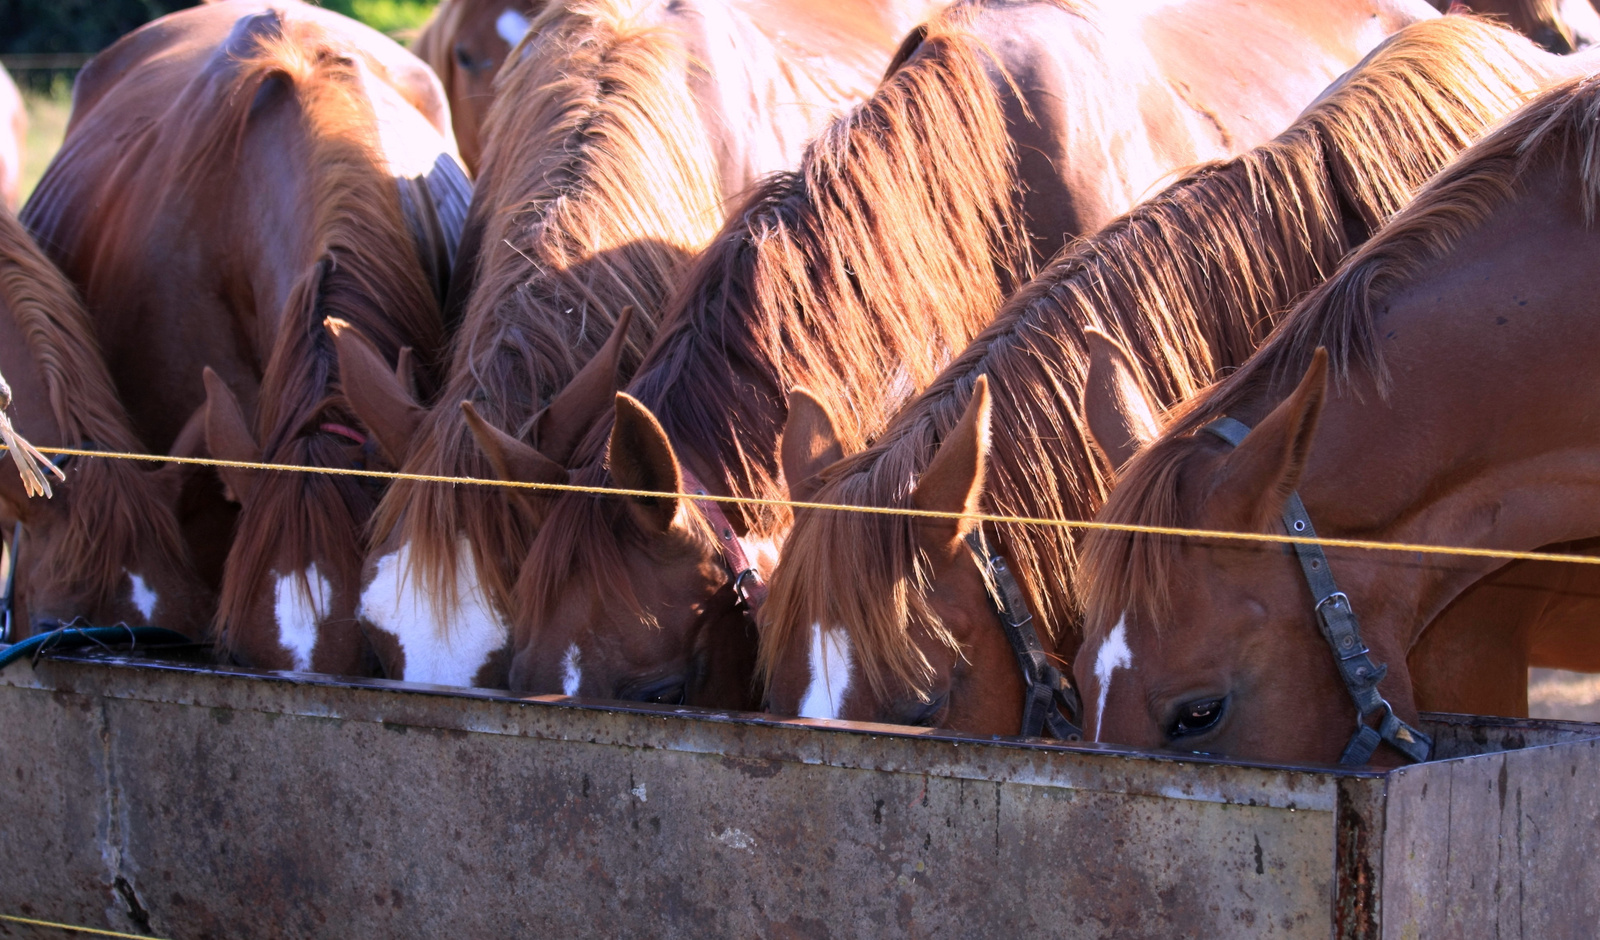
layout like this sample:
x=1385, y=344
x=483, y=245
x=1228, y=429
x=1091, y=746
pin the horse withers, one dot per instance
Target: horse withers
x=235, y=175
x=1363, y=417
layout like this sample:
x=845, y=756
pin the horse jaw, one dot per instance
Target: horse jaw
x=444, y=647
x=830, y=661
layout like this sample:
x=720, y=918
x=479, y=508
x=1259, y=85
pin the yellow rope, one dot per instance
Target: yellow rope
x=52, y=924
x=837, y=507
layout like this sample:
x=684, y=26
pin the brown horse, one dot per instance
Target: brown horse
x=1486, y=274
x=13, y=131
x=234, y=175
x=465, y=41
x=888, y=618
x=620, y=134
x=106, y=547
x=1560, y=26
x=636, y=594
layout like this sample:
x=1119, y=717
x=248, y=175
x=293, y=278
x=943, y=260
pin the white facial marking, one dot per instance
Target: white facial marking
x=299, y=612
x=1114, y=654
x=442, y=646
x=830, y=674
x=511, y=26
x=571, y=675
x=143, y=597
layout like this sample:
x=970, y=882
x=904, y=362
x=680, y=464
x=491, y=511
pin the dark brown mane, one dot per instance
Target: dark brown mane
x=365, y=272
x=1560, y=128
x=818, y=280
x=597, y=187
x=1190, y=280
x=113, y=510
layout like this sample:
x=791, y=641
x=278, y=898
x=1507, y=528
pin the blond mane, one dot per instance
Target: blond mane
x=1560, y=129
x=891, y=245
x=597, y=187
x=1191, y=280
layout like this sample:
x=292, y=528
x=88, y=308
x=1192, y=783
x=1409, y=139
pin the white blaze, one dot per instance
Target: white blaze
x=830, y=674
x=298, y=612
x=571, y=675
x=143, y=597
x=511, y=26
x=445, y=646
x=1114, y=654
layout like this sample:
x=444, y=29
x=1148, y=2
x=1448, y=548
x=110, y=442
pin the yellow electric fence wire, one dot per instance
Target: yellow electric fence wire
x=837, y=507
x=55, y=926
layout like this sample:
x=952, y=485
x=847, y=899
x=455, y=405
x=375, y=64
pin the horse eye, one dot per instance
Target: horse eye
x=1196, y=717
x=464, y=58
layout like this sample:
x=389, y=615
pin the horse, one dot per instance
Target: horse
x=465, y=41
x=233, y=176
x=637, y=593
x=13, y=131
x=890, y=618
x=620, y=135
x=1484, y=274
x=1559, y=26
x=105, y=546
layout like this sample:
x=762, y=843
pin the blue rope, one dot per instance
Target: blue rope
x=73, y=637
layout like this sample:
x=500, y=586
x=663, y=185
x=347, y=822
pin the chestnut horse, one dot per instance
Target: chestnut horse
x=106, y=546
x=885, y=618
x=465, y=41
x=13, y=131
x=1560, y=26
x=631, y=598
x=233, y=175
x=620, y=135
x=1486, y=274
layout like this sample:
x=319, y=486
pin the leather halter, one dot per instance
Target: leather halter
x=748, y=586
x=8, y=594
x=1342, y=632
x=1046, y=690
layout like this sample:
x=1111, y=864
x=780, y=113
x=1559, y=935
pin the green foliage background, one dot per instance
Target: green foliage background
x=35, y=26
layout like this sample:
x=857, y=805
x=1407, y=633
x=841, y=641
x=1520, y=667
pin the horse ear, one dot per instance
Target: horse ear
x=377, y=394
x=228, y=437
x=1120, y=413
x=515, y=461
x=405, y=371
x=560, y=427
x=640, y=458
x=810, y=444
x=169, y=478
x=1260, y=475
x=954, y=478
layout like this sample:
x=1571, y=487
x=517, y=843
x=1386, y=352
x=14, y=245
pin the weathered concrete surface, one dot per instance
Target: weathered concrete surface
x=194, y=804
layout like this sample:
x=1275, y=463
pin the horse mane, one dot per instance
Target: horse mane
x=597, y=185
x=365, y=271
x=855, y=275
x=1190, y=280
x=113, y=510
x=1561, y=128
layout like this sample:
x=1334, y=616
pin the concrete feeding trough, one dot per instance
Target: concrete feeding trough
x=151, y=795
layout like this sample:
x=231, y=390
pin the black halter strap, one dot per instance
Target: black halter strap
x=1046, y=689
x=1343, y=633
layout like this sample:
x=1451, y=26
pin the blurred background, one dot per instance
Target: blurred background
x=43, y=43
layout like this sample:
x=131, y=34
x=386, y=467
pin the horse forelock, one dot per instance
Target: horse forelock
x=1445, y=86
x=366, y=272
x=813, y=282
x=598, y=184
x=1191, y=278
x=115, y=512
